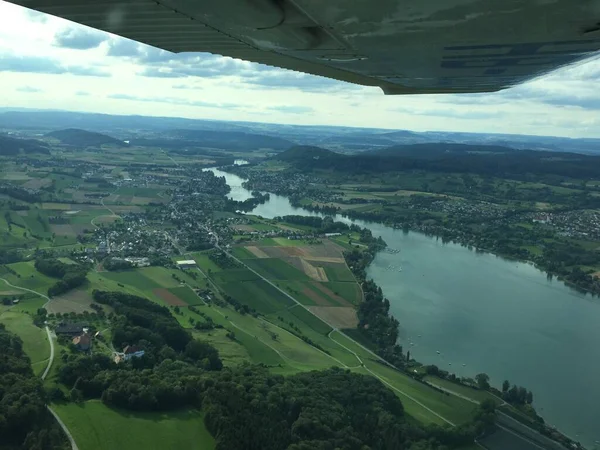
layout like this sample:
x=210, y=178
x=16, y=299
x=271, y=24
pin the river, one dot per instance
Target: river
x=483, y=313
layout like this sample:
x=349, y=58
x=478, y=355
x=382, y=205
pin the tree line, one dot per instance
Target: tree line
x=71, y=275
x=25, y=423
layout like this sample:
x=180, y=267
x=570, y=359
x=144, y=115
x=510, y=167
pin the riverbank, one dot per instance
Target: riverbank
x=485, y=312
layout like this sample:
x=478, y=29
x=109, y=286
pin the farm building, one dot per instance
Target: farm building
x=130, y=351
x=70, y=329
x=83, y=342
x=186, y=264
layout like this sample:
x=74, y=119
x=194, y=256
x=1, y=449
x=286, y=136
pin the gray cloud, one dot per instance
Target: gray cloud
x=573, y=86
x=175, y=101
x=28, y=89
x=159, y=73
x=36, y=16
x=37, y=64
x=88, y=71
x=121, y=47
x=163, y=64
x=292, y=109
x=82, y=93
x=284, y=79
x=79, y=38
x=186, y=86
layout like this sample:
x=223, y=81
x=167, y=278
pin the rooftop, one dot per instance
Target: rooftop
x=186, y=262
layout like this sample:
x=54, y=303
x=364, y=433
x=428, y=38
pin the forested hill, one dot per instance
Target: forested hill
x=83, y=138
x=11, y=146
x=450, y=158
x=432, y=150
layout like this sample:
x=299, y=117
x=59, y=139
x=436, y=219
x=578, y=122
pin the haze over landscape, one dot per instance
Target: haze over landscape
x=50, y=63
x=200, y=252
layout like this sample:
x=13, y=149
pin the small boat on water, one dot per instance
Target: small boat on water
x=438, y=352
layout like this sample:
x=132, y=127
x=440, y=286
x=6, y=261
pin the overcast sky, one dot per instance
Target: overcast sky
x=46, y=62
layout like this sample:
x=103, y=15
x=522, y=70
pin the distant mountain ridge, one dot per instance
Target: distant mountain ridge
x=84, y=138
x=231, y=140
x=344, y=139
x=10, y=146
x=442, y=157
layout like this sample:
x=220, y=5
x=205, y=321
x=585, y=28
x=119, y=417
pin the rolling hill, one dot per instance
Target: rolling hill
x=443, y=157
x=83, y=138
x=12, y=146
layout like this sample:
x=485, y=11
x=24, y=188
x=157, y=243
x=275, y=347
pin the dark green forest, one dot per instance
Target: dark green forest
x=247, y=407
x=448, y=158
x=25, y=423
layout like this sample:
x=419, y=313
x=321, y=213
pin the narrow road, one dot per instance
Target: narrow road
x=451, y=392
x=65, y=429
x=50, y=361
x=390, y=385
x=379, y=358
x=335, y=329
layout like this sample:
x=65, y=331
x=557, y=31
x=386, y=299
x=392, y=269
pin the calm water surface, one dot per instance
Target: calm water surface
x=487, y=314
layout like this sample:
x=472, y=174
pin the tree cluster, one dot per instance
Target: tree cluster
x=71, y=275
x=24, y=421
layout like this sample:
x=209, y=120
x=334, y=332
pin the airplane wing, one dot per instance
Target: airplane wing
x=402, y=46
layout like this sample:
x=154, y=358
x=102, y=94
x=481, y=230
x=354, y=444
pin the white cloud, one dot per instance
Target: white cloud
x=46, y=61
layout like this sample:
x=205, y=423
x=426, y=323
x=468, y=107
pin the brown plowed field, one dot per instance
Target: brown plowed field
x=338, y=316
x=169, y=297
x=315, y=297
x=259, y=253
x=325, y=290
x=316, y=273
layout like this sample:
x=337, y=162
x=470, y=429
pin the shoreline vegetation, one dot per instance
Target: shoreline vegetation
x=379, y=329
x=375, y=309
x=550, y=262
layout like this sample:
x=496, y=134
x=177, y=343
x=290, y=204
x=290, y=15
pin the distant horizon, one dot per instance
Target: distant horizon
x=46, y=62
x=6, y=109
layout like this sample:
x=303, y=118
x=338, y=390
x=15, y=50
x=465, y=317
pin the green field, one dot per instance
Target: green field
x=242, y=253
x=28, y=277
x=337, y=272
x=452, y=408
x=310, y=319
x=94, y=426
x=133, y=278
x=231, y=352
x=186, y=294
x=276, y=269
x=35, y=340
x=258, y=294
x=347, y=290
x=204, y=262
x=296, y=290
x=475, y=394
x=234, y=275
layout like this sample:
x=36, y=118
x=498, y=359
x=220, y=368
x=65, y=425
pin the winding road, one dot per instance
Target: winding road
x=50, y=361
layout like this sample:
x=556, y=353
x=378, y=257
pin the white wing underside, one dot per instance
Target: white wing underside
x=402, y=46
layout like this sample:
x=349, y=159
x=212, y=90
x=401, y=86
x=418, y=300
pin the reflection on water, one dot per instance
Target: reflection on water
x=486, y=314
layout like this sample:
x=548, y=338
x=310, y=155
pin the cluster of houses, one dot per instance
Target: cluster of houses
x=81, y=335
